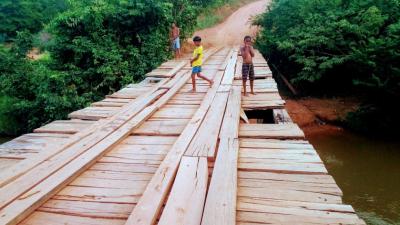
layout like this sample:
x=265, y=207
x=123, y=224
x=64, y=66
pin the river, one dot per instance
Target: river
x=368, y=172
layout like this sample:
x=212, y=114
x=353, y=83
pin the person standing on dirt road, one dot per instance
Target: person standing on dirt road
x=174, y=37
x=247, y=53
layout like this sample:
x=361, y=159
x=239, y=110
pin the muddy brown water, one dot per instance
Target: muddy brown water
x=368, y=172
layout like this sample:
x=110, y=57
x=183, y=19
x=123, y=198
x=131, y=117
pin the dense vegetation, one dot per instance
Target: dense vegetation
x=339, y=46
x=27, y=15
x=94, y=48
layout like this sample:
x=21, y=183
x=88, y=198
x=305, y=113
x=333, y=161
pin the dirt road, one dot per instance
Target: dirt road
x=235, y=27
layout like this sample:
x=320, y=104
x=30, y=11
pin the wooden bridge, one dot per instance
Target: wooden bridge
x=156, y=153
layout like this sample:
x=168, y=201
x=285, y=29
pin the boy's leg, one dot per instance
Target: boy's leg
x=244, y=87
x=205, y=78
x=251, y=77
x=193, y=82
x=245, y=74
x=251, y=87
x=177, y=47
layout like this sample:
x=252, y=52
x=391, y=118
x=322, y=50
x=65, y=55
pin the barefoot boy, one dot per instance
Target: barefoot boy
x=174, y=37
x=196, y=62
x=247, y=53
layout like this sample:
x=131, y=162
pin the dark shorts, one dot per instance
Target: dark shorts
x=247, y=71
x=196, y=69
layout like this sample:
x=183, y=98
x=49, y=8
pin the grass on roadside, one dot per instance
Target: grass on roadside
x=215, y=14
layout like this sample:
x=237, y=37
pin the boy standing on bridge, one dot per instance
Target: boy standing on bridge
x=196, y=62
x=247, y=53
x=174, y=37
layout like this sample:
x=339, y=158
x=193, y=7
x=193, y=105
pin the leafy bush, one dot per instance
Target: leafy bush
x=105, y=45
x=32, y=94
x=336, y=46
x=19, y=15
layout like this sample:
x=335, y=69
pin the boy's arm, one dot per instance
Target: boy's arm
x=251, y=51
x=195, y=58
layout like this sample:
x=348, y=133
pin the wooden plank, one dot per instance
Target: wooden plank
x=22, y=207
x=230, y=70
x=186, y=200
x=226, y=61
x=265, y=218
x=274, y=144
x=107, y=104
x=322, y=207
x=64, y=126
x=60, y=219
x=93, y=113
x=124, y=167
x=145, y=140
x=174, y=80
x=243, y=115
x=320, y=179
x=142, y=149
x=149, y=206
x=280, y=166
x=120, y=175
x=87, y=209
x=92, y=194
x=322, y=215
x=220, y=207
x=263, y=104
x=175, y=113
x=271, y=131
x=205, y=141
x=162, y=127
x=290, y=195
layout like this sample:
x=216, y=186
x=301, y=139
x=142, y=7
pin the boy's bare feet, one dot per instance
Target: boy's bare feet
x=246, y=94
x=193, y=90
x=253, y=93
x=211, y=83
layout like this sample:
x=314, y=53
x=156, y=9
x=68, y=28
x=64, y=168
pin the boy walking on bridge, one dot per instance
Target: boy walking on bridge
x=247, y=53
x=196, y=62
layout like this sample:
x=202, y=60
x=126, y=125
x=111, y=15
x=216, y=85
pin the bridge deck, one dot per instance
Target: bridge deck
x=156, y=153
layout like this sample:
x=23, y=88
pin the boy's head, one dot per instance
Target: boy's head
x=247, y=39
x=197, y=40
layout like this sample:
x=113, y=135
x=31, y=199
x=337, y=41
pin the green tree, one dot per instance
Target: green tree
x=106, y=45
x=19, y=15
x=338, y=45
